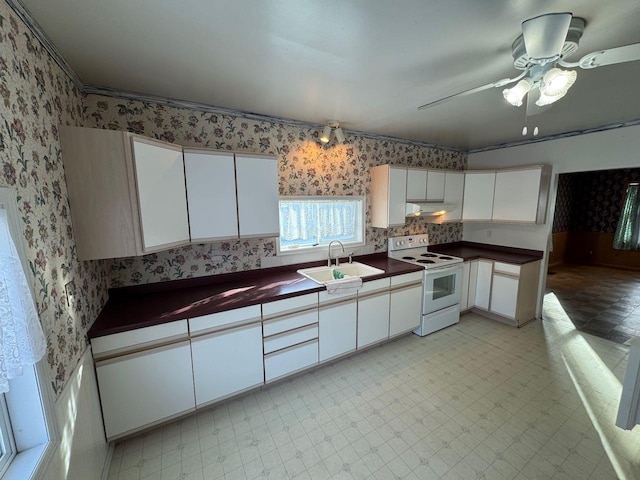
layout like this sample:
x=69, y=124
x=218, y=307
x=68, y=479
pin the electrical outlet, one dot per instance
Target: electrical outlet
x=70, y=291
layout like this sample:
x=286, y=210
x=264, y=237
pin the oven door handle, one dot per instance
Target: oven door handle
x=438, y=271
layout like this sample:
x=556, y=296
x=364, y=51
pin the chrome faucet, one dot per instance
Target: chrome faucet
x=329, y=253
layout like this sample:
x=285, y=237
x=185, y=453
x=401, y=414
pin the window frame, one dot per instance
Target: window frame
x=39, y=436
x=324, y=247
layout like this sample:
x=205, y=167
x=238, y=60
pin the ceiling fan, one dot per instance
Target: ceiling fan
x=539, y=52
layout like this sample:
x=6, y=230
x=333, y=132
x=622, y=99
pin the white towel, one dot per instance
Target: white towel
x=344, y=285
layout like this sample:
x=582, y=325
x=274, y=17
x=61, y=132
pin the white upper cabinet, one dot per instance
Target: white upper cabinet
x=453, y=195
x=424, y=185
x=521, y=195
x=478, y=195
x=159, y=172
x=388, y=196
x=257, y=186
x=416, y=185
x=211, y=194
x=435, y=186
x=127, y=193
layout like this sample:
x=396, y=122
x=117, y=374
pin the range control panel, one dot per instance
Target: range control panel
x=409, y=241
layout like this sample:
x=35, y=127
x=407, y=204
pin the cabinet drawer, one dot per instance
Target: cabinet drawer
x=506, y=268
x=288, y=339
x=217, y=321
x=290, y=322
x=289, y=305
x=290, y=360
x=374, y=286
x=138, y=338
x=326, y=298
x=407, y=278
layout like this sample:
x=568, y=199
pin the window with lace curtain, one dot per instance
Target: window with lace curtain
x=313, y=222
x=627, y=236
x=27, y=429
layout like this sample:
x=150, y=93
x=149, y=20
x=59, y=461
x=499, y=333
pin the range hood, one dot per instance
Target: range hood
x=427, y=209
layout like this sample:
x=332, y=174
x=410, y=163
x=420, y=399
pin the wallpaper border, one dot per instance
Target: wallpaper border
x=37, y=31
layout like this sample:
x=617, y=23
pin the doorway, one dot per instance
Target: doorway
x=597, y=286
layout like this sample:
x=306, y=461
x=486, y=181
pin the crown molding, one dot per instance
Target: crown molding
x=36, y=30
x=573, y=133
x=23, y=13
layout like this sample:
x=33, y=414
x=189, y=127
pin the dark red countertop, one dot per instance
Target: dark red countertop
x=141, y=306
x=473, y=250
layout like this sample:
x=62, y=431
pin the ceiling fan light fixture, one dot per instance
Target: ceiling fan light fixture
x=339, y=135
x=515, y=94
x=555, y=85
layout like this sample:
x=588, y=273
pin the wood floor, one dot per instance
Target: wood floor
x=600, y=301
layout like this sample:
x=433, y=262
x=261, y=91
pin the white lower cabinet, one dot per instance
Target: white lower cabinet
x=373, y=312
x=290, y=360
x=405, y=309
x=337, y=322
x=144, y=388
x=227, y=362
x=483, y=285
x=504, y=295
x=464, y=288
x=290, y=329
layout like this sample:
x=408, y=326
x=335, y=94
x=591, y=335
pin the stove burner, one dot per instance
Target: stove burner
x=429, y=255
x=408, y=258
x=446, y=258
x=426, y=261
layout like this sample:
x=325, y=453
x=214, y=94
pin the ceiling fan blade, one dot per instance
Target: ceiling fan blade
x=532, y=108
x=499, y=83
x=544, y=36
x=628, y=53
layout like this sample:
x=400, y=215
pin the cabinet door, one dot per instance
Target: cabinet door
x=453, y=194
x=516, y=195
x=483, y=285
x=416, y=185
x=227, y=362
x=337, y=332
x=397, y=195
x=143, y=388
x=504, y=295
x=478, y=195
x=257, y=184
x=464, y=290
x=211, y=194
x=435, y=186
x=473, y=283
x=162, y=197
x=405, y=309
x=373, y=319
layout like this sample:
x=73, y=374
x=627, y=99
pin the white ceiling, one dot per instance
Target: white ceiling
x=366, y=63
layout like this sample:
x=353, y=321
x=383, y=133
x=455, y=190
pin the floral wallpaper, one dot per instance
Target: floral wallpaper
x=306, y=168
x=37, y=97
x=591, y=201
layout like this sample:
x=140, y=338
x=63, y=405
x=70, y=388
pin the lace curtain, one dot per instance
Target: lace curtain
x=627, y=235
x=301, y=220
x=22, y=340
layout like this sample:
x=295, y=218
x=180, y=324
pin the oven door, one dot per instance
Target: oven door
x=441, y=288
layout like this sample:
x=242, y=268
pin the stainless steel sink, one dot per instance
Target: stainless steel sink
x=322, y=275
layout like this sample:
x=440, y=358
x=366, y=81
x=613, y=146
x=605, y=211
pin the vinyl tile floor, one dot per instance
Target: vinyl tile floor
x=601, y=301
x=477, y=400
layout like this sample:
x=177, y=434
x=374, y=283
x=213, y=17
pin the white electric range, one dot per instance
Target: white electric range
x=441, y=284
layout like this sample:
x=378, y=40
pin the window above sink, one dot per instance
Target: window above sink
x=310, y=223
